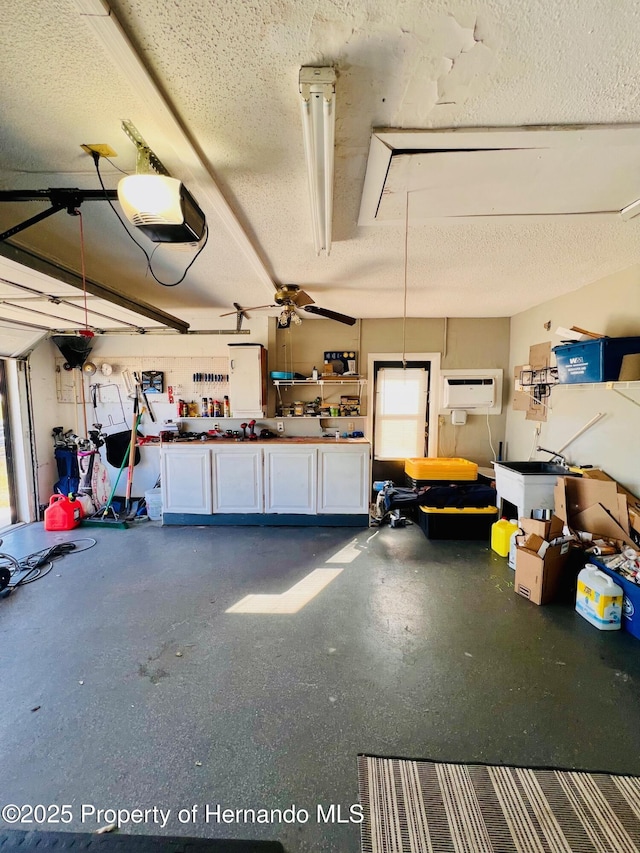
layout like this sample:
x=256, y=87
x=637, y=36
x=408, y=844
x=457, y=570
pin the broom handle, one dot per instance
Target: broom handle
x=125, y=460
x=132, y=452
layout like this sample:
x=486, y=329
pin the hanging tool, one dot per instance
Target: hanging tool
x=128, y=383
x=140, y=388
x=132, y=453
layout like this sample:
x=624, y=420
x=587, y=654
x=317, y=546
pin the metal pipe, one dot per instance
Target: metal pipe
x=593, y=420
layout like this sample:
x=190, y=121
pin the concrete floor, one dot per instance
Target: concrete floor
x=418, y=649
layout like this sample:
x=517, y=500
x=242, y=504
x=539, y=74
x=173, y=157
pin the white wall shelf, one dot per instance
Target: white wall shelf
x=317, y=417
x=611, y=386
x=286, y=382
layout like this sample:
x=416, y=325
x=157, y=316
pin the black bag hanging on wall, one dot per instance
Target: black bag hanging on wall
x=117, y=446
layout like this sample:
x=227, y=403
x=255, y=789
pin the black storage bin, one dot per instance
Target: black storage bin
x=457, y=523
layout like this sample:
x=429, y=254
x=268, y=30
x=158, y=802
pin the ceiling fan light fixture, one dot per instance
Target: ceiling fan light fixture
x=317, y=88
x=162, y=208
x=284, y=320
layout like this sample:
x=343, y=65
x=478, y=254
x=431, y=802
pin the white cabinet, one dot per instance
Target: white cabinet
x=237, y=479
x=247, y=380
x=290, y=479
x=226, y=483
x=186, y=480
x=343, y=479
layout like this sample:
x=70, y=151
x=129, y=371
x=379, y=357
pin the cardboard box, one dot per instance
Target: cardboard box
x=548, y=530
x=538, y=578
x=536, y=544
x=633, y=503
x=594, y=506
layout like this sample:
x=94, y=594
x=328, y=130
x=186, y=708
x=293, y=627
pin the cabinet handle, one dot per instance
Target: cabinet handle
x=232, y=364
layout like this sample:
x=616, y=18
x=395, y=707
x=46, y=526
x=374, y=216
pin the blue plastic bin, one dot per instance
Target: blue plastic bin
x=594, y=361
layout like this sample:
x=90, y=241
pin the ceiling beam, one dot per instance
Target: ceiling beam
x=195, y=170
x=103, y=291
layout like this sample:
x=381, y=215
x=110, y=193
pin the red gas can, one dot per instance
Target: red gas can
x=62, y=513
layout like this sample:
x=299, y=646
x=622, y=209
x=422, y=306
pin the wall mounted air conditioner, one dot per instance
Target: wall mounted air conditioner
x=477, y=391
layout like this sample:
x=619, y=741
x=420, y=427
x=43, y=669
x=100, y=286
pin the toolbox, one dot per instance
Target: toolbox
x=457, y=523
x=599, y=360
x=424, y=472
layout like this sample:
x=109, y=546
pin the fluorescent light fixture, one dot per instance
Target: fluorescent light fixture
x=630, y=210
x=162, y=208
x=317, y=102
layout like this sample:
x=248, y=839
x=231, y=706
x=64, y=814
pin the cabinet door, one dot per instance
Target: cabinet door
x=343, y=480
x=290, y=479
x=186, y=480
x=237, y=479
x=247, y=378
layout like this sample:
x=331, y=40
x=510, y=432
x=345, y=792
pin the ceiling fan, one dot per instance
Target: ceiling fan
x=290, y=298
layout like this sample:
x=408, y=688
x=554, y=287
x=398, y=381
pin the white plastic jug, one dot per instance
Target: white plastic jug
x=513, y=547
x=153, y=497
x=599, y=599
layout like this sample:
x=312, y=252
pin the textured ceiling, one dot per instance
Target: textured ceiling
x=229, y=71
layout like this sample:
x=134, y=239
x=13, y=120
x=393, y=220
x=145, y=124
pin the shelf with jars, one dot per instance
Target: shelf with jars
x=331, y=401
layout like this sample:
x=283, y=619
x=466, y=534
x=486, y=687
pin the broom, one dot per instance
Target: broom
x=100, y=518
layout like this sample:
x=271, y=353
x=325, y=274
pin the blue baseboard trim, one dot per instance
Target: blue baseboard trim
x=265, y=520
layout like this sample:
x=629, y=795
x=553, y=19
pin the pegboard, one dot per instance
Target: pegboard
x=113, y=404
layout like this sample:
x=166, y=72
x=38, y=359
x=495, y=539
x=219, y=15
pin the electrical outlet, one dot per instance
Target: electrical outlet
x=280, y=426
x=350, y=427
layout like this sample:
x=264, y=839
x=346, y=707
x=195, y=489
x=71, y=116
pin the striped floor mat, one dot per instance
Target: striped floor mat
x=426, y=807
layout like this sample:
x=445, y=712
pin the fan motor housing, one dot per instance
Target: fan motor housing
x=286, y=294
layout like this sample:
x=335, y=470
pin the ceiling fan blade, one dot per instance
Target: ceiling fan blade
x=331, y=315
x=244, y=310
x=301, y=299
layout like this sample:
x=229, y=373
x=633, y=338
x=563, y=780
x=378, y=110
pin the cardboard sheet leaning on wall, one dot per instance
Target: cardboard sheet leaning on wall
x=523, y=398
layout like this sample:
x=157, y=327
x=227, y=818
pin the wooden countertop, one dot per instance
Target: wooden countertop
x=293, y=439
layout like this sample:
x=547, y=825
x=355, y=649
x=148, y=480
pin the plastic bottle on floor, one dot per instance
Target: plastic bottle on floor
x=513, y=548
x=599, y=599
x=501, y=535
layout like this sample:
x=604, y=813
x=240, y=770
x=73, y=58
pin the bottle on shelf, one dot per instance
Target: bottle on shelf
x=314, y=374
x=217, y=411
x=226, y=408
x=204, y=411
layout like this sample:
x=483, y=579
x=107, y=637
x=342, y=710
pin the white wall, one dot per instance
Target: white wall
x=143, y=349
x=610, y=306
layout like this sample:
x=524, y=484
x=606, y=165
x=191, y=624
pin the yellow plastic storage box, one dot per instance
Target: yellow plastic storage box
x=419, y=472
